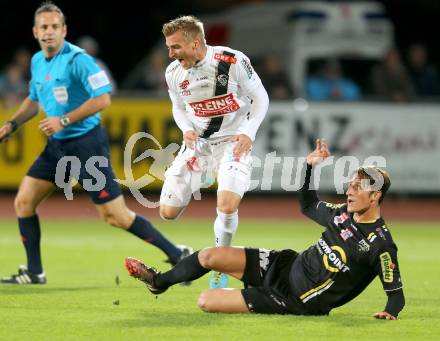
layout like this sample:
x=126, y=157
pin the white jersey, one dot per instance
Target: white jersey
x=213, y=94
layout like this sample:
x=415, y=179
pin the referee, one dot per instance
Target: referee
x=72, y=89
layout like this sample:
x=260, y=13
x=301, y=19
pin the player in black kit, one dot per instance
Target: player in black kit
x=355, y=247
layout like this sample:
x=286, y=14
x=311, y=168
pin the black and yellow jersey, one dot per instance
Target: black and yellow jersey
x=345, y=259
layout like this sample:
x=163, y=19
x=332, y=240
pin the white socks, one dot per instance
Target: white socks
x=225, y=226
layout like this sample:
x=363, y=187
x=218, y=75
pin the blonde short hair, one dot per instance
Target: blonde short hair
x=191, y=27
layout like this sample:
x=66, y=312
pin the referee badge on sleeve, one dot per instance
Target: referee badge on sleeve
x=98, y=80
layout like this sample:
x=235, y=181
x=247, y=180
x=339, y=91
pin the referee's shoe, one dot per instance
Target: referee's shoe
x=24, y=276
x=186, y=251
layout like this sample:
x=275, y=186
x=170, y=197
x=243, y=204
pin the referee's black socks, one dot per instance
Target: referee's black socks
x=30, y=236
x=143, y=229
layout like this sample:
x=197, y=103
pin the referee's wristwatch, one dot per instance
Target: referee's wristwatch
x=14, y=125
x=64, y=121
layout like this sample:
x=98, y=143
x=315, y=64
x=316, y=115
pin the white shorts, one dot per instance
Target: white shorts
x=217, y=161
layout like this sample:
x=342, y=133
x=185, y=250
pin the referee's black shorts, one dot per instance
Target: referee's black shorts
x=266, y=279
x=92, y=144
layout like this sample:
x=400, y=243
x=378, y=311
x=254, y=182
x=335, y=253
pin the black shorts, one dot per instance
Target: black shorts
x=93, y=143
x=266, y=277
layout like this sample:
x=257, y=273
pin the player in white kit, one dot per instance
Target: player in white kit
x=219, y=103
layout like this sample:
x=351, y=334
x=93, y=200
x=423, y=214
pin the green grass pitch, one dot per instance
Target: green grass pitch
x=82, y=260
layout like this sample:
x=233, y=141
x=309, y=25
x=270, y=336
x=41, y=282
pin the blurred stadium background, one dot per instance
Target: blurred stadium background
x=385, y=52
